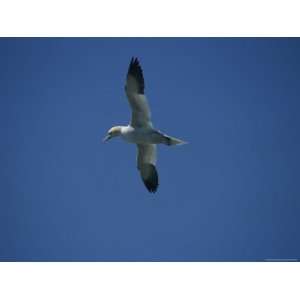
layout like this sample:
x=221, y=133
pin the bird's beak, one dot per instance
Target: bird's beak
x=108, y=137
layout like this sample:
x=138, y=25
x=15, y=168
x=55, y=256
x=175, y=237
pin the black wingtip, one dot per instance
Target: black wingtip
x=136, y=71
x=151, y=183
x=150, y=187
x=134, y=60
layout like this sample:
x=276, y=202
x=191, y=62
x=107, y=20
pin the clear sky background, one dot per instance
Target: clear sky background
x=232, y=193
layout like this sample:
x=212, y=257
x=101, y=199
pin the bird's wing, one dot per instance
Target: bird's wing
x=146, y=160
x=141, y=115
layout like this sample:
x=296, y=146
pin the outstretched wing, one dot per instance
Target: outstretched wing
x=135, y=85
x=146, y=160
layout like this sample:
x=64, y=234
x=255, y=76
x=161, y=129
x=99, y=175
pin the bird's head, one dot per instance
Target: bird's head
x=113, y=132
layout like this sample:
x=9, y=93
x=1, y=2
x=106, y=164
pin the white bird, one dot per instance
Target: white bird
x=140, y=131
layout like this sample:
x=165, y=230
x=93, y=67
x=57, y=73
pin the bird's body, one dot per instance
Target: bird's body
x=142, y=135
x=140, y=131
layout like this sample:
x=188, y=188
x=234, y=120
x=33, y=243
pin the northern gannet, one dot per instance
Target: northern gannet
x=140, y=131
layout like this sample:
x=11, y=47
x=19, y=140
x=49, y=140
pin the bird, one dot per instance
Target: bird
x=140, y=130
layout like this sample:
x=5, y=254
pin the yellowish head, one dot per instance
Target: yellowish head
x=113, y=132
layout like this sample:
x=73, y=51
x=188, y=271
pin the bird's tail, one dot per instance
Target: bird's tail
x=171, y=141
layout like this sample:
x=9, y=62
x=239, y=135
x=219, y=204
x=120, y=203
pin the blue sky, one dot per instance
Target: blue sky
x=231, y=194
